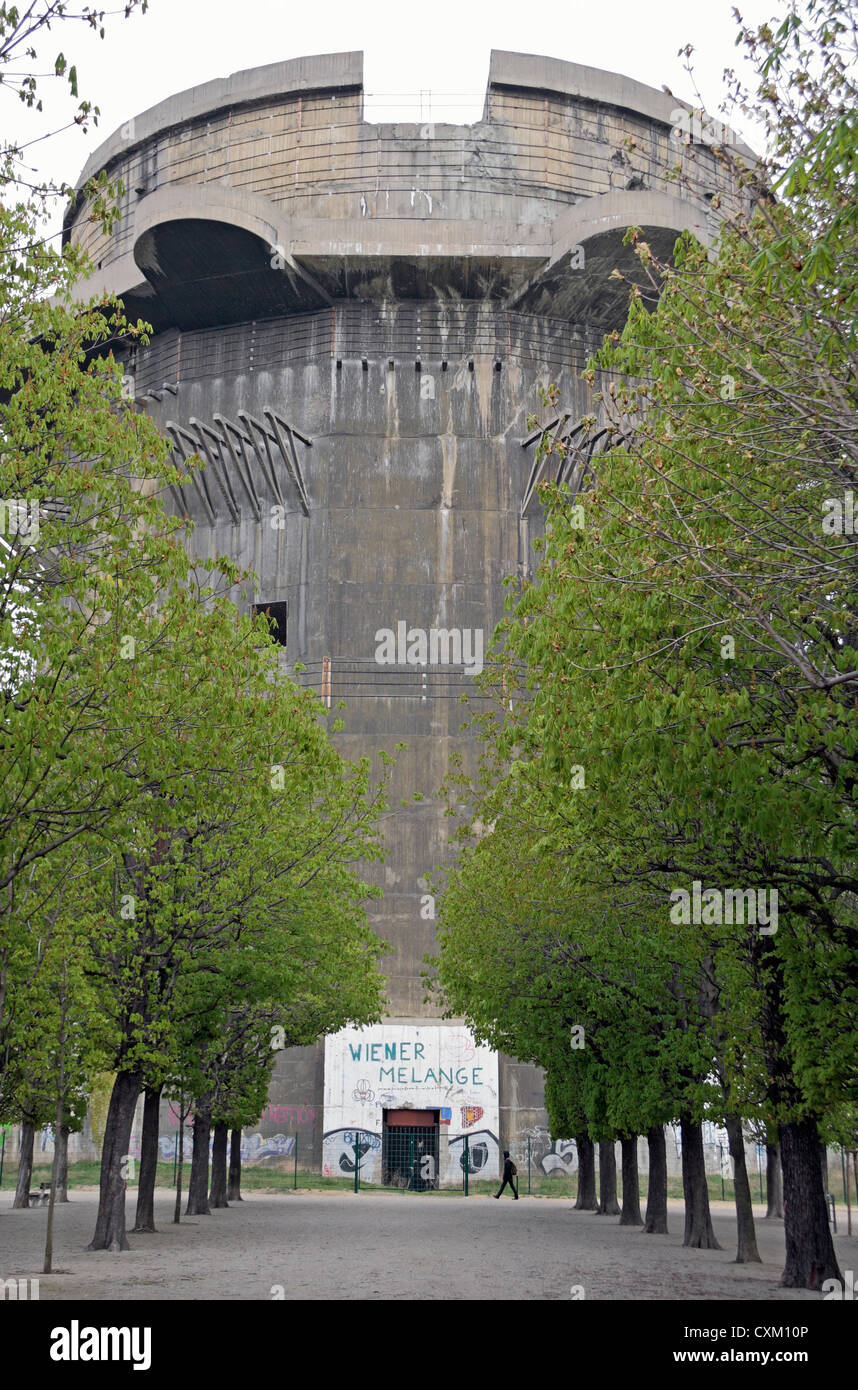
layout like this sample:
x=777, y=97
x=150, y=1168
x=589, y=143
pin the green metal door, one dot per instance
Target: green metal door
x=409, y=1152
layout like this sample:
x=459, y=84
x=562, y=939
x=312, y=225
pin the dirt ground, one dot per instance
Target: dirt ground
x=393, y=1246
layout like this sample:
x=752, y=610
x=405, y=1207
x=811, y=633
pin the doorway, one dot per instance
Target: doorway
x=409, y=1149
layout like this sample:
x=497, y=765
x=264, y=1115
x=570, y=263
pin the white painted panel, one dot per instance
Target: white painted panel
x=421, y=1066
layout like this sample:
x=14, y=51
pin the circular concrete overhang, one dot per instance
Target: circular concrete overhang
x=211, y=253
x=213, y=256
x=589, y=244
x=207, y=272
x=590, y=283
x=207, y=256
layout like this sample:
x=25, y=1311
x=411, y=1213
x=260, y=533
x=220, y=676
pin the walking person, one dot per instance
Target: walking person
x=510, y=1173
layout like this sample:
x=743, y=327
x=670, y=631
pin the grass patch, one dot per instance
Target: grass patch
x=281, y=1178
x=255, y=1179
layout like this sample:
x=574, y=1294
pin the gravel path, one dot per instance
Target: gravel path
x=392, y=1246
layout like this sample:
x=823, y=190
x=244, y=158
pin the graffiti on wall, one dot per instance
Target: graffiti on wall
x=255, y=1148
x=338, y=1153
x=547, y=1155
x=483, y=1155
x=530, y=1145
x=168, y=1146
x=562, y=1157
x=288, y=1115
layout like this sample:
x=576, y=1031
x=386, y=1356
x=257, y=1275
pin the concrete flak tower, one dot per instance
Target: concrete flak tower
x=352, y=322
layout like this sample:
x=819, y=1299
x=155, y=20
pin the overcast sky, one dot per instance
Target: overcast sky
x=439, y=47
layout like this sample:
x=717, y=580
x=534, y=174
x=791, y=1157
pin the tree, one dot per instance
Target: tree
x=233, y=875
x=581, y=984
x=692, y=650
x=22, y=28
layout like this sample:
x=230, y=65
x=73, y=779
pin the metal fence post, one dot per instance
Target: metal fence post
x=467, y=1163
x=295, y=1177
x=357, y=1158
x=528, y=1165
x=2, y=1152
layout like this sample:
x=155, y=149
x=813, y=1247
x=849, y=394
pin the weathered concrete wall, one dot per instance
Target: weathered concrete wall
x=415, y=481
x=289, y=1129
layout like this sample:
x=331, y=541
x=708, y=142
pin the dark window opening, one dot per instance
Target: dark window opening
x=276, y=614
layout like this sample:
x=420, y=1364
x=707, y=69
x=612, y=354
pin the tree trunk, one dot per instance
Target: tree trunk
x=217, y=1196
x=47, y=1264
x=746, y=1252
x=145, y=1218
x=699, y=1234
x=823, y=1164
x=774, y=1184
x=234, y=1190
x=180, y=1163
x=631, y=1212
x=656, y=1200
x=586, y=1199
x=25, y=1165
x=810, y=1257
x=63, y=1164
x=198, y=1183
x=110, y=1222
x=608, y=1204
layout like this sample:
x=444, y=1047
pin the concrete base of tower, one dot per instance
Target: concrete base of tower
x=373, y=1095
x=524, y=1126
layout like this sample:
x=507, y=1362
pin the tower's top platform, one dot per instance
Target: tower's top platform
x=343, y=72
x=267, y=193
